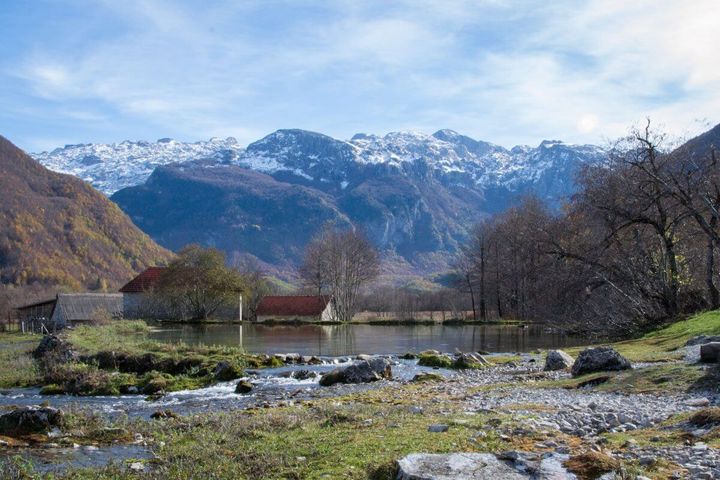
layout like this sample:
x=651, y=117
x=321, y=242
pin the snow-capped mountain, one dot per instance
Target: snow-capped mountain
x=110, y=167
x=319, y=158
x=415, y=195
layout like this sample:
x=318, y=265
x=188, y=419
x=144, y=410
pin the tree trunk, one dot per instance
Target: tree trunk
x=483, y=308
x=472, y=297
x=497, y=283
x=673, y=282
x=713, y=293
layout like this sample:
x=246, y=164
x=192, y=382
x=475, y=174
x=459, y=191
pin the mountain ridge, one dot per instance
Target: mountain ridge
x=111, y=167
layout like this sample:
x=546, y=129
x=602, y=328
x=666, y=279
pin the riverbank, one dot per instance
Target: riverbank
x=653, y=421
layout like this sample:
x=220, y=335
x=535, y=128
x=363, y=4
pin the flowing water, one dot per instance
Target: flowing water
x=353, y=339
x=335, y=344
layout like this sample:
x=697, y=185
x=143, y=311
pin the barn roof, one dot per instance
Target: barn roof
x=288, y=305
x=143, y=282
x=36, y=304
x=86, y=306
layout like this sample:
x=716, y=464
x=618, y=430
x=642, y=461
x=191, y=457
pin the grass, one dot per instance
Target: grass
x=17, y=368
x=591, y=464
x=125, y=346
x=663, y=344
x=705, y=417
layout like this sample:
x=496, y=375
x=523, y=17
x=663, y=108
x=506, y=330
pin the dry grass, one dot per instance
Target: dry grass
x=705, y=417
x=591, y=464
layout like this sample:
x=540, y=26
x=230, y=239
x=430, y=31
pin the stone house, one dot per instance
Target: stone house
x=137, y=295
x=295, y=308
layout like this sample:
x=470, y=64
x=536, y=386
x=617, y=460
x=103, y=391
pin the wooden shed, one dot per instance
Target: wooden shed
x=83, y=307
x=67, y=308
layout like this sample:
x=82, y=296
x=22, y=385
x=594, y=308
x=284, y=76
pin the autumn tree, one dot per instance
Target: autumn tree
x=197, y=283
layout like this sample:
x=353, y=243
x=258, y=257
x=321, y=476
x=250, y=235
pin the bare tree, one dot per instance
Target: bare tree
x=256, y=285
x=340, y=263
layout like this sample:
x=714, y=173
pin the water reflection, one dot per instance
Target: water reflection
x=335, y=340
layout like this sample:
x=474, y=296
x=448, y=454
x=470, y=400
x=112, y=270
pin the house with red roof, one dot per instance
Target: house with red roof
x=295, y=308
x=138, y=301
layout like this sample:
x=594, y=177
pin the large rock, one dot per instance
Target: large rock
x=455, y=466
x=710, y=352
x=363, y=371
x=55, y=348
x=28, y=420
x=600, y=359
x=469, y=360
x=557, y=360
x=243, y=387
x=225, y=371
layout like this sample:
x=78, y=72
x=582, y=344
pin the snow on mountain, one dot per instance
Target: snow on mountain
x=111, y=167
x=315, y=157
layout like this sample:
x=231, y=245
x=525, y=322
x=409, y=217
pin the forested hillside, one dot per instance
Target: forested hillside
x=56, y=230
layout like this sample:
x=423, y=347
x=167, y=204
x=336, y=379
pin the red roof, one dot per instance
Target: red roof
x=300, y=305
x=143, y=282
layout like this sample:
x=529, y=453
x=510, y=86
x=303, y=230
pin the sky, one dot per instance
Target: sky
x=508, y=72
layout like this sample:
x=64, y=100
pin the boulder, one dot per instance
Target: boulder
x=52, y=346
x=469, y=360
x=557, y=360
x=225, y=371
x=303, y=374
x=599, y=359
x=702, y=339
x=28, y=420
x=710, y=352
x=455, y=466
x=363, y=371
x=243, y=387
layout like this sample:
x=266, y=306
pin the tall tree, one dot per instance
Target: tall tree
x=340, y=263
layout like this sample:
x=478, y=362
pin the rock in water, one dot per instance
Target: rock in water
x=55, y=347
x=455, y=466
x=28, y=420
x=600, y=359
x=243, y=387
x=363, y=371
x=224, y=372
x=557, y=360
x=710, y=352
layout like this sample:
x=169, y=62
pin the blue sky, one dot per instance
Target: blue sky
x=509, y=72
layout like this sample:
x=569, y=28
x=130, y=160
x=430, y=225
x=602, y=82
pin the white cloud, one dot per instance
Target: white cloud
x=506, y=71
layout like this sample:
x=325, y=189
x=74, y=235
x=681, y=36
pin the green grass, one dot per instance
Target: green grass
x=17, y=368
x=663, y=344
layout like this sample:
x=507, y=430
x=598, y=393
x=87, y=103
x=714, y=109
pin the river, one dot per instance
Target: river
x=353, y=339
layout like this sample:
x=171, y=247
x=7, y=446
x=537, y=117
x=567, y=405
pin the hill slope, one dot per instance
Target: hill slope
x=57, y=230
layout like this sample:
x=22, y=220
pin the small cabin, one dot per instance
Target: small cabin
x=295, y=308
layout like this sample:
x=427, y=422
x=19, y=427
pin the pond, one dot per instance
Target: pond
x=353, y=339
